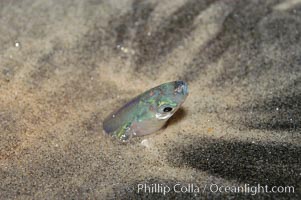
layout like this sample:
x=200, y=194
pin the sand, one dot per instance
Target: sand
x=65, y=65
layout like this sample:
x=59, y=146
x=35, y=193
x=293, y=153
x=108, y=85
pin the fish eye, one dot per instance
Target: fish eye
x=167, y=109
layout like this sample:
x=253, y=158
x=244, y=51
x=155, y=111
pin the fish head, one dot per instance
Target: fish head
x=168, y=98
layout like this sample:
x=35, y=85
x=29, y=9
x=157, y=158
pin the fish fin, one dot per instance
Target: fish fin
x=125, y=132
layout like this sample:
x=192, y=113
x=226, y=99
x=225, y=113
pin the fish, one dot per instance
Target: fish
x=147, y=112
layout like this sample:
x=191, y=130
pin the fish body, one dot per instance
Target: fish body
x=148, y=112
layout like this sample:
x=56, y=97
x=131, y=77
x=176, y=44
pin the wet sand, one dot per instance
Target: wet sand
x=65, y=65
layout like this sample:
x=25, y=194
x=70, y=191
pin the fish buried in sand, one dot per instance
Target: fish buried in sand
x=148, y=112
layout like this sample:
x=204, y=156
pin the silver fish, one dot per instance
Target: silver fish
x=148, y=112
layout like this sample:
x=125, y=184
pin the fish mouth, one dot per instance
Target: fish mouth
x=181, y=87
